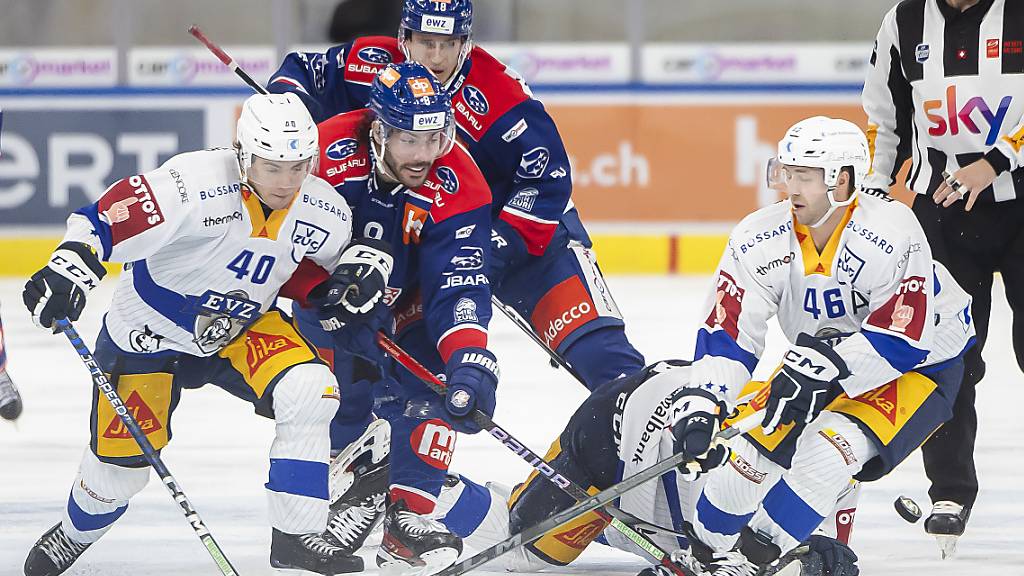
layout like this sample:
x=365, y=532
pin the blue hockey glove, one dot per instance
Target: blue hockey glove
x=472, y=375
x=800, y=391
x=358, y=282
x=508, y=249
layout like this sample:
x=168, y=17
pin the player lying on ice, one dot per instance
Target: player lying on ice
x=211, y=238
x=876, y=329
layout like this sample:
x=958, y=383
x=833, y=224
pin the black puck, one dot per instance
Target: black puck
x=907, y=509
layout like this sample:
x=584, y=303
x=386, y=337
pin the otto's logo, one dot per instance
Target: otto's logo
x=955, y=116
x=433, y=441
x=261, y=347
x=728, y=305
x=374, y=55
x=143, y=414
x=449, y=180
x=581, y=536
x=341, y=149
x=476, y=99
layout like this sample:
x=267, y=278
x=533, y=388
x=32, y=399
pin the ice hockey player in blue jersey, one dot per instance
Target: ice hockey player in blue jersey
x=411, y=186
x=541, y=258
x=212, y=238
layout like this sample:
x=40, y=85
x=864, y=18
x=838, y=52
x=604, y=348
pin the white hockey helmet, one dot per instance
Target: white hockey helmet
x=827, y=143
x=276, y=127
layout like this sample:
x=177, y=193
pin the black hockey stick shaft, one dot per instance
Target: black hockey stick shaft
x=513, y=315
x=109, y=391
x=602, y=498
x=618, y=519
x=225, y=59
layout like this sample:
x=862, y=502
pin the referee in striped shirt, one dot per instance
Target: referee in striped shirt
x=946, y=90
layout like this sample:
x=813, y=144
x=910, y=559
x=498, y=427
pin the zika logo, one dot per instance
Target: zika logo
x=581, y=536
x=261, y=347
x=142, y=413
x=950, y=119
x=434, y=442
x=884, y=399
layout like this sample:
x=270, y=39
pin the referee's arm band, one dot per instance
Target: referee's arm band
x=998, y=160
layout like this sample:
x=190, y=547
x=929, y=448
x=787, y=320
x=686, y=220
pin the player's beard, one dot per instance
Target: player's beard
x=412, y=174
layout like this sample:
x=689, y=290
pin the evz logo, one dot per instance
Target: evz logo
x=476, y=100
x=341, y=149
x=533, y=163
x=468, y=259
x=308, y=236
x=449, y=181
x=235, y=306
x=374, y=55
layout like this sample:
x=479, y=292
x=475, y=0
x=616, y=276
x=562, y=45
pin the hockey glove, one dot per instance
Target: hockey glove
x=359, y=280
x=508, y=249
x=800, y=390
x=696, y=417
x=355, y=336
x=472, y=375
x=837, y=559
x=59, y=289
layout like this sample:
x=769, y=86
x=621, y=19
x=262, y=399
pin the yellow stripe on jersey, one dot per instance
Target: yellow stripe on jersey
x=815, y=263
x=263, y=226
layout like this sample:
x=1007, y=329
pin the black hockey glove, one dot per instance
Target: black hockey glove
x=800, y=391
x=359, y=280
x=59, y=289
x=837, y=559
x=697, y=416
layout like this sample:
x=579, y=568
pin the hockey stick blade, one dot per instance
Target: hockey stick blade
x=598, y=500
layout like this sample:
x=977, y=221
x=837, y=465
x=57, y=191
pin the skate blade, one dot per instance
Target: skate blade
x=433, y=562
x=947, y=545
x=794, y=568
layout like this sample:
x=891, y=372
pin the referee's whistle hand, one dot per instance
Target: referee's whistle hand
x=971, y=180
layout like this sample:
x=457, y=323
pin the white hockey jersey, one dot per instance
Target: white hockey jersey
x=874, y=282
x=203, y=258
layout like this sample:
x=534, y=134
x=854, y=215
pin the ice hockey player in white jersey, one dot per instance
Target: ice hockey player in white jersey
x=210, y=239
x=877, y=331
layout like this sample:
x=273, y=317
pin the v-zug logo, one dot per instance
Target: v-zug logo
x=533, y=163
x=449, y=181
x=307, y=239
x=476, y=100
x=374, y=55
x=341, y=149
x=468, y=259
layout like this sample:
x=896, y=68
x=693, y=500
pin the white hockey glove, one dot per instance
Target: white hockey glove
x=58, y=290
x=697, y=416
x=800, y=391
x=359, y=281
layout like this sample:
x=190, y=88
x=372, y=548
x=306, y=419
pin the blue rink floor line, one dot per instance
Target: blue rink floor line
x=219, y=452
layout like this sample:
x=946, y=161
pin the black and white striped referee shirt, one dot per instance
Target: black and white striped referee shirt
x=945, y=89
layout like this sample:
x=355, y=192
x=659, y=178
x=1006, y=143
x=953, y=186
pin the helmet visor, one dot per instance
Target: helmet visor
x=420, y=145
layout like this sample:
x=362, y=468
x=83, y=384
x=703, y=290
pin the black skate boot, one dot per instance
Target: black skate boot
x=415, y=544
x=53, y=553
x=359, y=511
x=947, y=523
x=10, y=398
x=311, y=553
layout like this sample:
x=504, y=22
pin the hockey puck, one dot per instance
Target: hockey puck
x=907, y=509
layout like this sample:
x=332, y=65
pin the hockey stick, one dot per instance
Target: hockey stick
x=108, y=390
x=602, y=498
x=556, y=360
x=617, y=518
x=226, y=60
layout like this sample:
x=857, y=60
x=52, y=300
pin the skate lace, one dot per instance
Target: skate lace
x=418, y=524
x=61, y=549
x=351, y=523
x=946, y=507
x=317, y=544
x=734, y=564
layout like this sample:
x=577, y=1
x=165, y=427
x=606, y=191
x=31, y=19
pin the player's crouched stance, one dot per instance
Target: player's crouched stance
x=212, y=237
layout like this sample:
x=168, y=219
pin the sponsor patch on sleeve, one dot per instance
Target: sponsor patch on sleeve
x=130, y=208
x=906, y=309
x=728, y=306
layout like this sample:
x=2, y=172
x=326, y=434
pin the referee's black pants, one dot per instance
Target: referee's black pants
x=973, y=246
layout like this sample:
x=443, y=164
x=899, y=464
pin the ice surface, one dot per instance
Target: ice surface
x=218, y=454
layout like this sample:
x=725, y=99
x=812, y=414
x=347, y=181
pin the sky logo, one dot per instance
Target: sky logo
x=962, y=115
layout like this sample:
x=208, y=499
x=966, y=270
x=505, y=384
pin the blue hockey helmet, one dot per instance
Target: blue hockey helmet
x=406, y=97
x=448, y=17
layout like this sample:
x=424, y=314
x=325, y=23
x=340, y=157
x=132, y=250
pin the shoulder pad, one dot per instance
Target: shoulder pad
x=456, y=185
x=486, y=94
x=368, y=56
x=344, y=147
